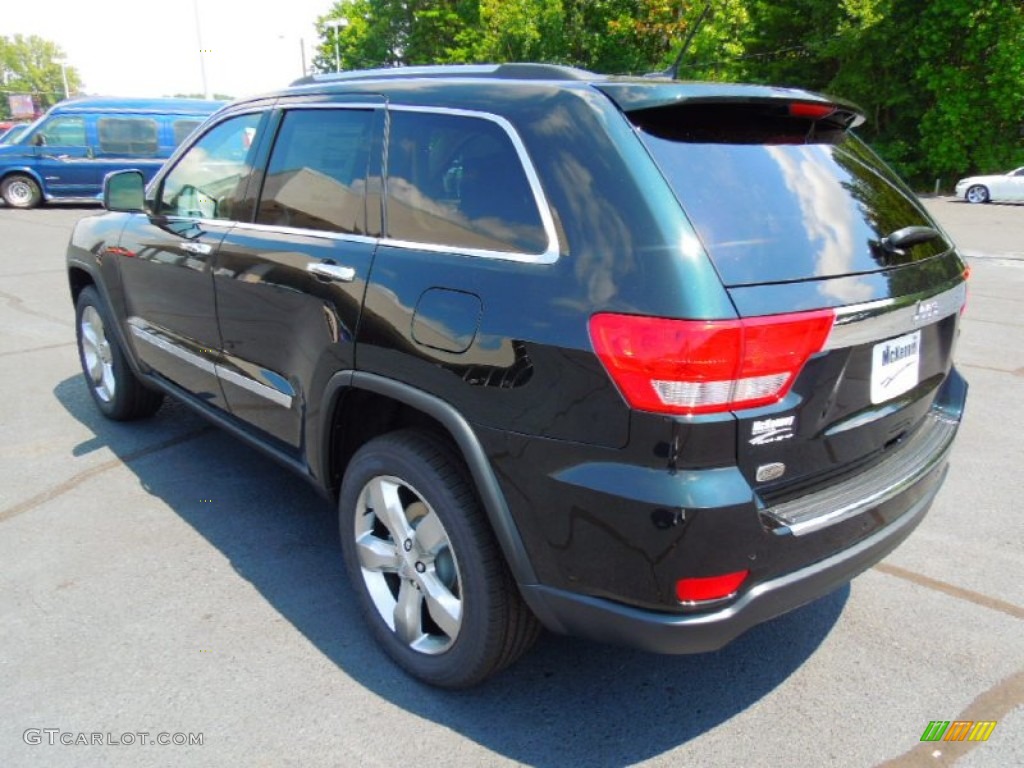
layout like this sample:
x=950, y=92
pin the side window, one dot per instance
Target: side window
x=183, y=129
x=127, y=136
x=64, y=132
x=458, y=181
x=316, y=178
x=209, y=180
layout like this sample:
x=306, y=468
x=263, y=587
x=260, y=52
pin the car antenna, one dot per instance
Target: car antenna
x=673, y=71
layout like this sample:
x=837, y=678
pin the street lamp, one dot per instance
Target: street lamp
x=337, y=25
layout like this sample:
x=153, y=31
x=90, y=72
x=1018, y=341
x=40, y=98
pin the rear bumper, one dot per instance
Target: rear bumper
x=606, y=621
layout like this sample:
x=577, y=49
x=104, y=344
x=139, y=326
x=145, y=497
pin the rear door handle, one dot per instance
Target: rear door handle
x=334, y=272
x=200, y=249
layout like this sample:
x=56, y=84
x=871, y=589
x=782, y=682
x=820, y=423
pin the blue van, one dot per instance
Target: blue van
x=66, y=153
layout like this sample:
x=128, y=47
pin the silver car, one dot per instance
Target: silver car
x=1002, y=188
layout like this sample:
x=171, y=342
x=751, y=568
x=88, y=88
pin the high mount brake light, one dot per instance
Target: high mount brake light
x=812, y=111
x=707, y=366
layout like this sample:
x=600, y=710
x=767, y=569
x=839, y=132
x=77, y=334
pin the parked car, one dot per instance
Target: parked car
x=638, y=360
x=1002, y=188
x=66, y=153
x=11, y=135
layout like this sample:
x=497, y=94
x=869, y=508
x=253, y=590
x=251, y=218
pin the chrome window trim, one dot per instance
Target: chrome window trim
x=877, y=320
x=548, y=256
x=298, y=106
x=300, y=232
x=222, y=373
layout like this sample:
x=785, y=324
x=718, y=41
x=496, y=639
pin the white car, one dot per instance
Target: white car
x=1004, y=188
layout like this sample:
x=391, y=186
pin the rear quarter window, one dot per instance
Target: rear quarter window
x=458, y=181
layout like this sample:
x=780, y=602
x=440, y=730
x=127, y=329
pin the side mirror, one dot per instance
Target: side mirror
x=124, y=191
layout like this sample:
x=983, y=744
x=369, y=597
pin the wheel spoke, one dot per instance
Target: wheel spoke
x=387, y=506
x=95, y=366
x=444, y=608
x=430, y=535
x=408, y=612
x=108, y=382
x=375, y=554
x=90, y=336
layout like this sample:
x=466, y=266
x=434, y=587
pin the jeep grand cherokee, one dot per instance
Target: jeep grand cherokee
x=639, y=360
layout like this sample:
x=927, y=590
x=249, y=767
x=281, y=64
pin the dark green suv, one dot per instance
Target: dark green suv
x=639, y=360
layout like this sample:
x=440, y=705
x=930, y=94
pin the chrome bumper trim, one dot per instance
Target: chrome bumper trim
x=924, y=451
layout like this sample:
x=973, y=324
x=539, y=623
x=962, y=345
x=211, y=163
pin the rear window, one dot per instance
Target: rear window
x=776, y=198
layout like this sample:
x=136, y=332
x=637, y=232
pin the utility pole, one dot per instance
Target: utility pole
x=202, y=53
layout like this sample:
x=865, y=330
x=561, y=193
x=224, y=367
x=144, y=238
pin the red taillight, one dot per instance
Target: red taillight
x=706, y=366
x=709, y=587
x=812, y=111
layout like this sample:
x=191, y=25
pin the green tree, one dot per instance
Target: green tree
x=970, y=77
x=940, y=80
x=390, y=33
x=31, y=65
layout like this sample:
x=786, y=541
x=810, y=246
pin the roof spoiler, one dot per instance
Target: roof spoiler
x=634, y=97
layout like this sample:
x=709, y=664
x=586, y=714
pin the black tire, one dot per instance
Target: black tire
x=422, y=476
x=20, y=191
x=114, y=387
x=977, y=194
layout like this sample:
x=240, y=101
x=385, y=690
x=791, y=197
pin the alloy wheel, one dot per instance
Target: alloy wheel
x=97, y=355
x=408, y=565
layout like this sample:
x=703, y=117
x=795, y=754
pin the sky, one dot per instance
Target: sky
x=147, y=48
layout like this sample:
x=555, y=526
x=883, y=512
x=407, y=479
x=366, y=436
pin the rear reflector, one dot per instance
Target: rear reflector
x=709, y=587
x=706, y=366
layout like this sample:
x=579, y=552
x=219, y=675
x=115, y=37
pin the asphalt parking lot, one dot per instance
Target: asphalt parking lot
x=163, y=579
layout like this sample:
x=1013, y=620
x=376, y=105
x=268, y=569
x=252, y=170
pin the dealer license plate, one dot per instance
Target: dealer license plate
x=895, y=367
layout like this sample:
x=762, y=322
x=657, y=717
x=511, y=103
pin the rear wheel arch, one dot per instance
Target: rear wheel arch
x=359, y=407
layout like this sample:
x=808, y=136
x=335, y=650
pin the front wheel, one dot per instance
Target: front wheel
x=20, y=191
x=430, y=578
x=977, y=194
x=114, y=387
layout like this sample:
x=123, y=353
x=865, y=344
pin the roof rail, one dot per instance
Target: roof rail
x=514, y=71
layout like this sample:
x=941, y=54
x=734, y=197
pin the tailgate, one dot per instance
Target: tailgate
x=797, y=214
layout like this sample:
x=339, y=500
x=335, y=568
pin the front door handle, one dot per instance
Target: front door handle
x=334, y=272
x=200, y=249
